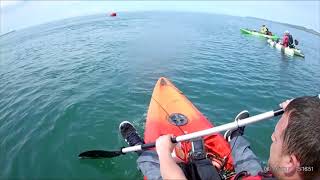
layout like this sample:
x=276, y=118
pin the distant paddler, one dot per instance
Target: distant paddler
x=287, y=45
x=287, y=40
x=265, y=30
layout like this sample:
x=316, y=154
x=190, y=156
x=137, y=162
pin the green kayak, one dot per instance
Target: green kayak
x=256, y=33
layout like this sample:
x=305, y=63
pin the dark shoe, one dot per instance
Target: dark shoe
x=228, y=135
x=129, y=134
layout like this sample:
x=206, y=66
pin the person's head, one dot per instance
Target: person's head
x=263, y=25
x=286, y=32
x=295, y=148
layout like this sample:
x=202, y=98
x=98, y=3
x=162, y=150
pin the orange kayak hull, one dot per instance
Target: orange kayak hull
x=167, y=100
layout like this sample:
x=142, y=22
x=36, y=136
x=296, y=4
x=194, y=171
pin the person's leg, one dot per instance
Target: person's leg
x=149, y=165
x=243, y=157
x=148, y=161
x=130, y=135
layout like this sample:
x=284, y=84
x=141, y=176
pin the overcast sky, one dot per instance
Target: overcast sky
x=21, y=14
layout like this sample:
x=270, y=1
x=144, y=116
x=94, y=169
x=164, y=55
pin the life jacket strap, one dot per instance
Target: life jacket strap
x=201, y=169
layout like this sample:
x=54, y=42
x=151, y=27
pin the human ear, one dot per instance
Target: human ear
x=291, y=164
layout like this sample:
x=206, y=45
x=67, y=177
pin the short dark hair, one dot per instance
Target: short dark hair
x=302, y=135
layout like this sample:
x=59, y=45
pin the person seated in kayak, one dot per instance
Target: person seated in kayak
x=287, y=40
x=264, y=29
x=269, y=33
x=152, y=166
x=294, y=152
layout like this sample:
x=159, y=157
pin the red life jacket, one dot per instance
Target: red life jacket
x=285, y=41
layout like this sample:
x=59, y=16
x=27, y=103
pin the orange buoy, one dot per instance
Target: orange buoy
x=113, y=14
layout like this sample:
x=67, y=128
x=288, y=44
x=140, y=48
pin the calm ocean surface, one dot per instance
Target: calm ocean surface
x=65, y=86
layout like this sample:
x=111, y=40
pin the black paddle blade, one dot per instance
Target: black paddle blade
x=96, y=154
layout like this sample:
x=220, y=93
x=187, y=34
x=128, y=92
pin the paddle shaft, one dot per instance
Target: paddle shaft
x=206, y=132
